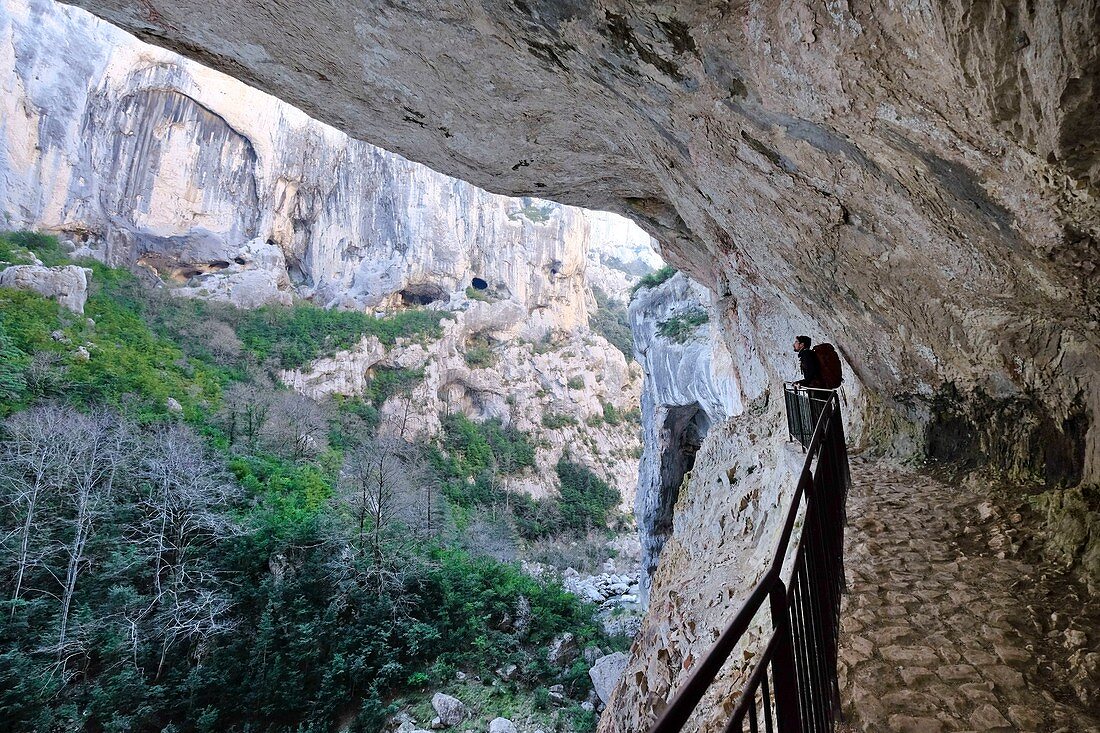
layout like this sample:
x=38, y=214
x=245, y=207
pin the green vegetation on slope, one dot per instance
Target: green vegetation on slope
x=612, y=322
x=281, y=603
x=680, y=327
x=654, y=279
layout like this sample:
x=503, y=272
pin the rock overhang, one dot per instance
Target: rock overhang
x=917, y=185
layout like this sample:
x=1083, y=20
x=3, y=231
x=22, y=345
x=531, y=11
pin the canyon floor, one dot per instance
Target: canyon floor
x=945, y=627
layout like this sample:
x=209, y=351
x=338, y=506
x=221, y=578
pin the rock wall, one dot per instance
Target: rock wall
x=689, y=386
x=813, y=153
x=224, y=192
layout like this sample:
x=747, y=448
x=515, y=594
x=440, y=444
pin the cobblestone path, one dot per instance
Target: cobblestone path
x=941, y=634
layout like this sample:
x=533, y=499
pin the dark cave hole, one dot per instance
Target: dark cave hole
x=422, y=294
x=682, y=433
x=478, y=284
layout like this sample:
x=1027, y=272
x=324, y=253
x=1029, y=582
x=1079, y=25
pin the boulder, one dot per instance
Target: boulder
x=557, y=694
x=507, y=672
x=591, y=654
x=563, y=650
x=68, y=285
x=502, y=725
x=606, y=672
x=451, y=710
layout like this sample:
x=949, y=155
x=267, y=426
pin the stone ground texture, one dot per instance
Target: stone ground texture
x=942, y=629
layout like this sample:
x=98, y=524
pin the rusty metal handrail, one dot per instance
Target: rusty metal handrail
x=801, y=692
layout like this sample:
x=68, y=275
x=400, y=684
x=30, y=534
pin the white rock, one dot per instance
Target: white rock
x=173, y=405
x=451, y=710
x=563, y=650
x=502, y=725
x=68, y=285
x=606, y=672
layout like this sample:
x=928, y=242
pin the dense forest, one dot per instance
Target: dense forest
x=188, y=546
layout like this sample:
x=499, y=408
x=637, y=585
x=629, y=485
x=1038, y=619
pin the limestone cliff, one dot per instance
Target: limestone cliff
x=689, y=386
x=140, y=157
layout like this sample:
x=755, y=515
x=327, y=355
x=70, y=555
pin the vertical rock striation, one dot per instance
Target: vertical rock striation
x=689, y=386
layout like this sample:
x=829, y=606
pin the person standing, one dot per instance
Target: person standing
x=807, y=361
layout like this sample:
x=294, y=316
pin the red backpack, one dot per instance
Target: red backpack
x=829, y=362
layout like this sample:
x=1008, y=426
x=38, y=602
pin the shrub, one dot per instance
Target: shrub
x=611, y=415
x=555, y=420
x=131, y=367
x=480, y=356
x=680, y=327
x=654, y=279
x=476, y=448
x=612, y=322
x=586, y=499
x=385, y=382
x=575, y=382
x=293, y=336
x=16, y=249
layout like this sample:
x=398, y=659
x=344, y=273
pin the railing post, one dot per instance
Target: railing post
x=785, y=682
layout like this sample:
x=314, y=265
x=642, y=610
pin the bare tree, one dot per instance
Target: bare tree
x=45, y=374
x=39, y=449
x=297, y=426
x=246, y=408
x=380, y=495
x=181, y=510
x=102, y=445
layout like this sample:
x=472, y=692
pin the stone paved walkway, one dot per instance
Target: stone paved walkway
x=939, y=633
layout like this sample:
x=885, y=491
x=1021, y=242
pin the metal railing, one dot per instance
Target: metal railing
x=804, y=406
x=793, y=687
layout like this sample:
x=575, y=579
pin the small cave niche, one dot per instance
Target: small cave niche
x=295, y=272
x=479, y=284
x=421, y=294
x=682, y=433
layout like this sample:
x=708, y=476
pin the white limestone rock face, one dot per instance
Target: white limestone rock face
x=141, y=157
x=811, y=165
x=68, y=285
x=221, y=192
x=689, y=385
x=606, y=673
x=557, y=387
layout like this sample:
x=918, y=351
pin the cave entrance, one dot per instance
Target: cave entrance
x=422, y=294
x=478, y=284
x=682, y=433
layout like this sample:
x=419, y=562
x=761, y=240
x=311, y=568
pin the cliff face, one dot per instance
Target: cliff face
x=815, y=165
x=219, y=191
x=224, y=192
x=689, y=386
x=916, y=183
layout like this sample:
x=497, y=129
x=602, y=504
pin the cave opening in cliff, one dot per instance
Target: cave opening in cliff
x=479, y=284
x=422, y=294
x=682, y=433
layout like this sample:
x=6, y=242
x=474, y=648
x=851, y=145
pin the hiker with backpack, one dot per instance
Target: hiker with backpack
x=820, y=364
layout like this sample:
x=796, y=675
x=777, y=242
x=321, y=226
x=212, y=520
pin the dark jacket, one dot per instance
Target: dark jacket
x=811, y=368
